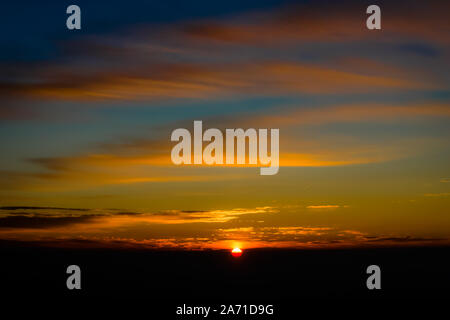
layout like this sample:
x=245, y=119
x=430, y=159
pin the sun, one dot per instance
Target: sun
x=236, y=252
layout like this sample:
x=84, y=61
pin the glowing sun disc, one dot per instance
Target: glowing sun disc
x=236, y=252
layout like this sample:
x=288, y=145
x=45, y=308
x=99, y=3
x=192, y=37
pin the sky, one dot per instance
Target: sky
x=86, y=117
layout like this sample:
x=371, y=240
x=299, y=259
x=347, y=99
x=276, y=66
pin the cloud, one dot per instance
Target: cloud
x=404, y=239
x=355, y=114
x=243, y=55
x=313, y=237
x=13, y=208
x=89, y=220
x=236, y=56
x=325, y=21
x=201, y=243
x=35, y=222
x=200, y=229
x=147, y=160
x=195, y=81
x=437, y=195
x=207, y=216
x=326, y=206
x=32, y=217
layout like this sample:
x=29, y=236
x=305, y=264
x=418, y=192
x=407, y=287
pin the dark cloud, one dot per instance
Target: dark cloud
x=41, y=208
x=37, y=222
x=128, y=213
x=403, y=239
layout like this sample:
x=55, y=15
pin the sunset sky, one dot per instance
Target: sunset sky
x=364, y=118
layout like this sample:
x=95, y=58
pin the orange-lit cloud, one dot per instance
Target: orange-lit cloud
x=108, y=228
x=48, y=217
x=325, y=206
x=355, y=113
x=213, y=81
x=148, y=160
x=162, y=62
x=442, y=194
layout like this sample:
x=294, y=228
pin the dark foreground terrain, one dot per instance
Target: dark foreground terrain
x=200, y=277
